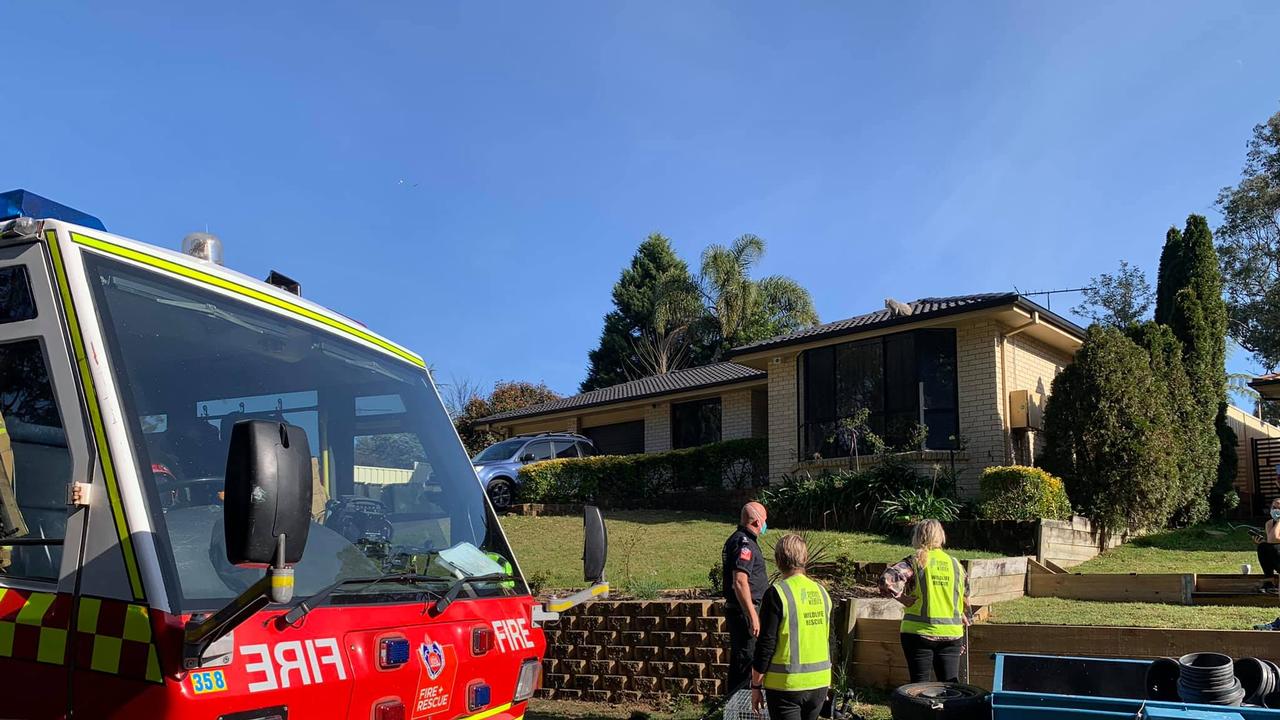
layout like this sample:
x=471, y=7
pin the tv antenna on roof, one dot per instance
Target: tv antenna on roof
x=1048, y=294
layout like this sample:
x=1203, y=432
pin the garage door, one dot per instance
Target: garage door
x=617, y=439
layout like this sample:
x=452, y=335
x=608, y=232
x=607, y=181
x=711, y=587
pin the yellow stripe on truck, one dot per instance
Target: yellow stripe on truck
x=95, y=418
x=244, y=290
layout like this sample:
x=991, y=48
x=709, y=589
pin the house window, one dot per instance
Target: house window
x=695, y=423
x=902, y=380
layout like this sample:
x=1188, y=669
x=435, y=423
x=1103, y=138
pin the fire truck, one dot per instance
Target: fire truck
x=220, y=500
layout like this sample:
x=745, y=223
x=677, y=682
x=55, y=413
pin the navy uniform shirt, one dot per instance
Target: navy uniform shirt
x=742, y=554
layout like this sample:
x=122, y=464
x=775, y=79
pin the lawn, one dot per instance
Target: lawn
x=1055, y=611
x=652, y=550
x=1213, y=548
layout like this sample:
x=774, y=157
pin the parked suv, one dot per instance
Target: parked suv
x=498, y=466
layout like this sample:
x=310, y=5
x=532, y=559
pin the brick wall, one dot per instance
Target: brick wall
x=735, y=415
x=979, y=387
x=1031, y=365
x=657, y=427
x=637, y=650
x=784, y=426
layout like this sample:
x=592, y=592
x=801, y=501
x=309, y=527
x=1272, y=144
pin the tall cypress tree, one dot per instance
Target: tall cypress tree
x=635, y=304
x=1189, y=300
x=1169, y=277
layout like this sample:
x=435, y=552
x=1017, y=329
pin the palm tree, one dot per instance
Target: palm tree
x=742, y=310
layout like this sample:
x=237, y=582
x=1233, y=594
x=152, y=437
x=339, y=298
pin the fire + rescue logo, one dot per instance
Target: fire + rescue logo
x=432, y=658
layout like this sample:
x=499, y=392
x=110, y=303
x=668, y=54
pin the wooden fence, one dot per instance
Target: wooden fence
x=875, y=658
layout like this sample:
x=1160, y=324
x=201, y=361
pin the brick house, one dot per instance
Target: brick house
x=974, y=370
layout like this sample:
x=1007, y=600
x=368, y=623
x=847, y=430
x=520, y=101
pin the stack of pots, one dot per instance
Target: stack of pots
x=1209, y=678
x=1213, y=679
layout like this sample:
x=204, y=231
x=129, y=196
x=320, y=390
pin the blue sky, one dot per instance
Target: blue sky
x=469, y=178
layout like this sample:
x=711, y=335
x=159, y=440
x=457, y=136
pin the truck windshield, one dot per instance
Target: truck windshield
x=393, y=490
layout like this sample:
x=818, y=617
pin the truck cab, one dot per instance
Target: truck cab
x=126, y=372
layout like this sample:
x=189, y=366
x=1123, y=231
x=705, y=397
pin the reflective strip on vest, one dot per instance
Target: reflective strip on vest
x=802, y=660
x=919, y=620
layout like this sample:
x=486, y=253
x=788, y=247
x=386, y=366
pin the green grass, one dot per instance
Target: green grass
x=663, y=549
x=1211, y=548
x=1214, y=548
x=1055, y=611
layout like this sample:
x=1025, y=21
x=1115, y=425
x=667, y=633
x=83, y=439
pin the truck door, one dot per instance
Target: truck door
x=42, y=448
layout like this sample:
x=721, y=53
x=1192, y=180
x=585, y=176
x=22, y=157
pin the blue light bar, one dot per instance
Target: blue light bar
x=20, y=203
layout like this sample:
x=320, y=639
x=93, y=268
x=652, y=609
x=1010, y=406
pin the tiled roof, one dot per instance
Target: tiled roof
x=922, y=309
x=1265, y=379
x=695, y=378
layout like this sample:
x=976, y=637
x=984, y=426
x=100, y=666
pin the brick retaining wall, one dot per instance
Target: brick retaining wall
x=637, y=650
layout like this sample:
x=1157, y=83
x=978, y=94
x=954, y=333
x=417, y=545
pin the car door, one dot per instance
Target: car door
x=564, y=449
x=43, y=447
x=536, y=451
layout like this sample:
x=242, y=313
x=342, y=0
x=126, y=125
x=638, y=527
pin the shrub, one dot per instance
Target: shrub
x=849, y=500
x=1108, y=433
x=1018, y=492
x=618, y=479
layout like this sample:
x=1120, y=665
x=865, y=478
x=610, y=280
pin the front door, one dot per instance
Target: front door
x=43, y=447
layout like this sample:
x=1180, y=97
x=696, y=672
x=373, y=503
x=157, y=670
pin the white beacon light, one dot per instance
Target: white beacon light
x=203, y=245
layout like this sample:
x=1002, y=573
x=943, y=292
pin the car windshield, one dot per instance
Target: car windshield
x=499, y=451
x=392, y=491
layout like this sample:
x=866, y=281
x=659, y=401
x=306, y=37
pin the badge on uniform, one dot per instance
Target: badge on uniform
x=744, y=553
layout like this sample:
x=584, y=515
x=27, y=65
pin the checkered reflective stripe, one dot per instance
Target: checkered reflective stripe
x=110, y=636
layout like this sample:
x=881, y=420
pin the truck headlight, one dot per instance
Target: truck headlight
x=529, y=680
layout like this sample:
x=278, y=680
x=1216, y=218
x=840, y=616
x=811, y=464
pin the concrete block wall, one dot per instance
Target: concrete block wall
x=637, y=651
x=735, y=415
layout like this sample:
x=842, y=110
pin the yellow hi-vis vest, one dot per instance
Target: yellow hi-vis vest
x=802, y=660
x=937, y=610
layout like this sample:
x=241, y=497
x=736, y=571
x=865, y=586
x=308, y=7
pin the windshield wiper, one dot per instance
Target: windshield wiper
x=297, y=612
x=452, y=593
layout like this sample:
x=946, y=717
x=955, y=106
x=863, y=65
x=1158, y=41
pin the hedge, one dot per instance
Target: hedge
x=1019, y=492
x=614, y=479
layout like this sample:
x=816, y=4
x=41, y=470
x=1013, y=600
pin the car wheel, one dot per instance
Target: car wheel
x=501, y=493
x=939, y=701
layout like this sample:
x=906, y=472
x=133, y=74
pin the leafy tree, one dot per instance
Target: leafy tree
x=665, y=319
x=638, y=297
x=1249, y=246
x=1120, y=300
x=506, y=396
x=741, y=310
x=1108, y=431
x=393, y=450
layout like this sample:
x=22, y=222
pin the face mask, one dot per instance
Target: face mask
x=1275, y=513
x=764, y=526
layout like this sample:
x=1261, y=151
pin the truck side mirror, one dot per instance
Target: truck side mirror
x=267, y=493
x=595, y=546
x=595, y=550
x=266, y=516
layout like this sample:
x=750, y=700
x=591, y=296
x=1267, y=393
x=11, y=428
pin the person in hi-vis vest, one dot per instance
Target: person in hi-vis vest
x=932, y=586
x=791, y=671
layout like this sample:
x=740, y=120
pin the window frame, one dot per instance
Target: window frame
x=879, y=417
x=715, y=400
x=46, y=328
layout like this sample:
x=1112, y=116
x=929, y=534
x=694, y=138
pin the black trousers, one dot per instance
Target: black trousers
x=742, y=648
x=1269, y=558
x=795, y=704
x=924, y=655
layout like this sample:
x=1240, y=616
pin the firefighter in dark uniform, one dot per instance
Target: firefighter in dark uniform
x=745, y=581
